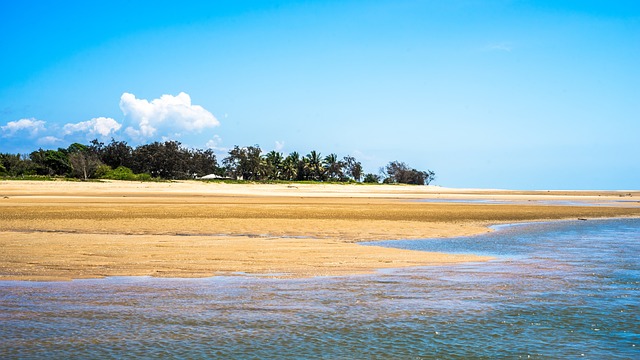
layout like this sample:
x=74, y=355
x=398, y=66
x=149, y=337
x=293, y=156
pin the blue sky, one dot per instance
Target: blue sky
x=492, y=94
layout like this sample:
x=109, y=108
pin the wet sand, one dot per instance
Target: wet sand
x=67, y=230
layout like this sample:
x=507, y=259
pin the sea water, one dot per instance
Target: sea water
x=555, y=290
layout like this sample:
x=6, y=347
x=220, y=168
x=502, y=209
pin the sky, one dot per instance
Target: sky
x=488, y=94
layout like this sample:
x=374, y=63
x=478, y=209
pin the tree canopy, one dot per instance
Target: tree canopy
x=170, y=160
x=399, y=172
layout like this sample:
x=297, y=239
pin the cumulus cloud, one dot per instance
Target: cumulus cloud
x=30, y=126
x=168, y=114
x=168, y=117
x=279, y=145
x=214, y=143
x=97, y=126
x=49, y=140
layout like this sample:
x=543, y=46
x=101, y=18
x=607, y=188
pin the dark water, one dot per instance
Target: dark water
x=561, y=290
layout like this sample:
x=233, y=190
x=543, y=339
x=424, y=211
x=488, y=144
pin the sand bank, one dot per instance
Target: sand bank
x=65, y=230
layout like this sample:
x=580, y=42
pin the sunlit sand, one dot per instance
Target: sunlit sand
x=67, y=230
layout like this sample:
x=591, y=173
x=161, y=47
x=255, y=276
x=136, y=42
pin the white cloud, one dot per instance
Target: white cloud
x=133, y=133
x=32, y=126
x=279, y=145
x=48, y=140
x=97, y=126
x=215, y=143
x=168, y=114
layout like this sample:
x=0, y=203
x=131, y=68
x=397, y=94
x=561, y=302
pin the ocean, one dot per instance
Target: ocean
x=568, y=289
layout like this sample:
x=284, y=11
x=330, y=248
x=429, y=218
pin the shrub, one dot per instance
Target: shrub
x=144, y=177
x=102, y=171
x=372, y=178
x=121, y=173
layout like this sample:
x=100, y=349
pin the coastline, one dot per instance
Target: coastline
x=70, y=230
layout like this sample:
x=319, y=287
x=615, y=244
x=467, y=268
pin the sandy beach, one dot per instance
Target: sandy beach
x=58, y=230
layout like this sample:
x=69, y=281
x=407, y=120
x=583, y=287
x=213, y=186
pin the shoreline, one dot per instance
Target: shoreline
x=73, y=230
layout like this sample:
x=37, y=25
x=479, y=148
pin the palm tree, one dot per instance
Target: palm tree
x=333, y=167
x=290, y=166
x=272, y=165
x=316, y=165
x=304, y=169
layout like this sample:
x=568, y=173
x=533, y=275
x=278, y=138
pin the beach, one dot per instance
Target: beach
x=61, y=230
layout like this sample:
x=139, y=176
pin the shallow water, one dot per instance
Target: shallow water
x=557, y=290
x=626, y=203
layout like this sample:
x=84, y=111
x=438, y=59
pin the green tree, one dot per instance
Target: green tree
x=333, y=168
x=168, y=160
x=235, y=162
x=304, y=169
x=372, y=178
x=290, y=166
x=17, y=165
x=315, y=165
x=272, y=165
x=114, y=154
x=399, y=172
x=202, y=162
x=75, y=147
x=244, y=163
x=352, y=168
x=254, y=162
x=51, y=162
x=83, y=161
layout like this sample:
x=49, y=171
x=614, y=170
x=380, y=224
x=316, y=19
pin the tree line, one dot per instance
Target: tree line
x=170, y=160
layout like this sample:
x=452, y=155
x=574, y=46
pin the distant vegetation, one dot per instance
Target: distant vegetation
x=169, y=160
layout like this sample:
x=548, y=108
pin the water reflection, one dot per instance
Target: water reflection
x=558, y=290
